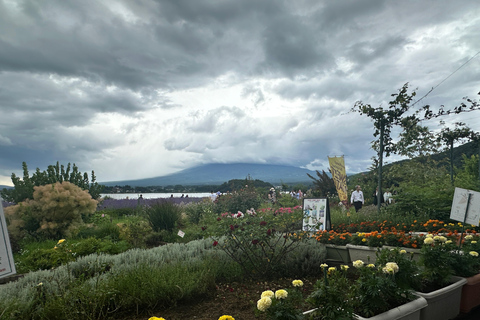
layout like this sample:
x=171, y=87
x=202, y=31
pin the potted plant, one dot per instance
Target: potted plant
x=368, y=292
x=438, y=285
x=467, y=265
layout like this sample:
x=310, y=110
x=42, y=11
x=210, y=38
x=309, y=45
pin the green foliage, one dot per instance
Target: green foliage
x=45, y=258
x=467, y=177
x=135, y=231
x=240, y=200
x=163, y=215
x=24, y=188
x=330, y=294
x=55, y=212
x=105, y=286
x=259, y=242
x=196, y=211
x=106, y=230
x=324, y=185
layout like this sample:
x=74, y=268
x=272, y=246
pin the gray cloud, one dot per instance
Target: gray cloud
x=171, y=83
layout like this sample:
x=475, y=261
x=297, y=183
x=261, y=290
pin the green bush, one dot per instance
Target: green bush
x=196, y=211
x=163, y=215
x=241, y=200
x=55, y=212
x=103, y=231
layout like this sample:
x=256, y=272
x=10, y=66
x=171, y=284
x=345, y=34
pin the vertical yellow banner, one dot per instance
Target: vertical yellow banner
x=339, y=176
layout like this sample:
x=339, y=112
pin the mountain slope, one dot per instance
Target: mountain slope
x=220, y=173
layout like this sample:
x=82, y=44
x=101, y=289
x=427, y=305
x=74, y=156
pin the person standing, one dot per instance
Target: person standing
x=357, y=198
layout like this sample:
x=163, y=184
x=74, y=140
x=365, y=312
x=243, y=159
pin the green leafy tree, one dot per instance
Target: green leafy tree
x=384, y=120
x=324, y=185
x=449, y=136
x=23, y=188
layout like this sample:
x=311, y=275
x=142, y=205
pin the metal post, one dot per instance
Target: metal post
x=380, y=166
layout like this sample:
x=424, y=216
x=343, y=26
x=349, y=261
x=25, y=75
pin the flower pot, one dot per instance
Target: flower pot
x=470, y=294
x=364, y=253
x=415, y=252
x=337, y=253
x=408, y=311
x=444, y=303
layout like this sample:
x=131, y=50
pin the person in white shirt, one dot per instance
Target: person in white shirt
x=388, y=197
x=357, y=198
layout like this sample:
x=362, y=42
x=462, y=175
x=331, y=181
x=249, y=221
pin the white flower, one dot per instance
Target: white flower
x=358, y=263
x=393, y=266
x=428, y=240
x=264, y=303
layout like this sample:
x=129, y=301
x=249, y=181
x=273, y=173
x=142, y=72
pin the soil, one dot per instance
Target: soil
x=238, y=300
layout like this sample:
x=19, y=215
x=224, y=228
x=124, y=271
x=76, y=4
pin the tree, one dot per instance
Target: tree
x=23, y=188
x=450, y=136
x=324, y=184
x=384, y=121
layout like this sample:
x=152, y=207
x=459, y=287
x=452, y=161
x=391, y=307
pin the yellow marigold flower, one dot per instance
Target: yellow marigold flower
x=474, y=253
x=281, y=294
x=428, y=240
x=297, y=283
x=403, y=251
x=331, y=270
x=344, y=267
x=429, y=235
x=358, y=263
x=156, y=318
x=226, y=318
x=364, y=240
x=473, y=241
x=370, y=265
x=60, y=241
x=436, y=238
x=324, y=265
x=264, y=303
x=448, y=241
x=267, y=294
x=469, y=237
x=442, y=239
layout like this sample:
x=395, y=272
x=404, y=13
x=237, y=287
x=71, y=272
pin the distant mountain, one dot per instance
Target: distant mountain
x=216, y=174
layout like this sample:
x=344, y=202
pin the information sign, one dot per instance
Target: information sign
x=466, y=206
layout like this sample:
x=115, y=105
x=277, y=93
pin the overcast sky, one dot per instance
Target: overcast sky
x=137, y=89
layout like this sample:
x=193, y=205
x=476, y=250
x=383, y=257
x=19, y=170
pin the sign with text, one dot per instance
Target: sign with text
x=7, y=265
x=316, y=214
x=466, y=206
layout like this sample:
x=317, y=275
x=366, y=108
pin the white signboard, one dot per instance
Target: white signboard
x=314, y=214
x=7, y=265
x=459, y=206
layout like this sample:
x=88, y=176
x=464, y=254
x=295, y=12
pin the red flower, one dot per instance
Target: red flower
x=255, y=241
x=215, y=243
x=232, y=227
x=263, y=223
x=203, y=228
x=218, y=219
x=269, y=232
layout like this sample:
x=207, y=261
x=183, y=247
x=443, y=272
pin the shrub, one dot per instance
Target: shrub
x=163, y=215
x=259, y=243
x=55, y=211
x=241, y=200
x=196, y=211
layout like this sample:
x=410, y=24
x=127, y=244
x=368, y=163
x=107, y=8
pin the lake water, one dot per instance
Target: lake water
x=153, y=195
